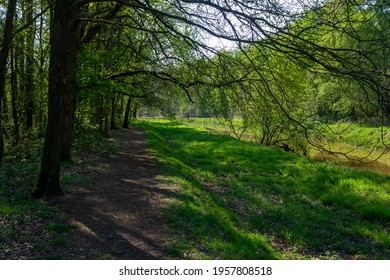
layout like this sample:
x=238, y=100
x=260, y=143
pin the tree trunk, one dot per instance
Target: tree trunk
x=134, y=111
x=29, y=90
x=100, y=116
x=66, y=140
x=127, y=114
x=71, y=88
x=106, y=115
x=5, y=47
x=14, y=97
x=113, y=112
x=63, y=41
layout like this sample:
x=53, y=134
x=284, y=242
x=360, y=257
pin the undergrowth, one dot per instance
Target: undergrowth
x=24, y=221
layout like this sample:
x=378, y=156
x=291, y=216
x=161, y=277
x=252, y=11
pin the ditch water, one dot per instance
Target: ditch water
x=375, y=166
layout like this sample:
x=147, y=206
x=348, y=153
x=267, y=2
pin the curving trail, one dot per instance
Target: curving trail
x=119, y=215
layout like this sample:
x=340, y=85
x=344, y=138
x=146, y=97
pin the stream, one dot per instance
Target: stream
x=375, y=166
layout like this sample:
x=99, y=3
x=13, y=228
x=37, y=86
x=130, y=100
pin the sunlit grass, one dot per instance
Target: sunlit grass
x=239, y=200
x=353, y=145
x=360, y=135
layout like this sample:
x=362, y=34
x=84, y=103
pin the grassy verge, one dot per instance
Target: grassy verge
x=360, y=135
x=362, y=145
x=218, y=126
x=353, y=135
x=238, y=200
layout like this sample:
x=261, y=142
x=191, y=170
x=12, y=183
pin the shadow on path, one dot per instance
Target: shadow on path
x=119, y=215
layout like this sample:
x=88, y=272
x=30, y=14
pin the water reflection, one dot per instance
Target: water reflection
x=376, y=166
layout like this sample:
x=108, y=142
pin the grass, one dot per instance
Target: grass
x=29, y=223
x=61, y=228
x=219, y=125
x=75, y=178
x=353, y=135
x=362, y=144
x=360, y=135
x=238, y=200
x=89, y=140
x=21, y=216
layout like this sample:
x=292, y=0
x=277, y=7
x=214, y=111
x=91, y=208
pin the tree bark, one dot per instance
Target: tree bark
x=71, y=87
x=5, y=47
x=100, y=116
x=29, y=90
x=70, y=97
x=127, y=117
x=41, y=114
x=63, y=41
x=69, y=110
x=114, y=102
x=14, y=97
x=134, y=111
x=106, y=115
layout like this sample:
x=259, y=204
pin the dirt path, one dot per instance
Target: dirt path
x=119, y=215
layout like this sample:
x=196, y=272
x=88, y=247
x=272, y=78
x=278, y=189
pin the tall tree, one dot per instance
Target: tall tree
x=14, y=96
x=29, y=73
x=4, y=51
x=63, y=41
x=127, y=116
x=84, y=36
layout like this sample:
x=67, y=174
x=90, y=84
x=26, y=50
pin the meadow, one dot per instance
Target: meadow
x=240, y=200
x=358, y=146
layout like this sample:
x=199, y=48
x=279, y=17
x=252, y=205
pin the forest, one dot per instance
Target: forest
x=235, y=100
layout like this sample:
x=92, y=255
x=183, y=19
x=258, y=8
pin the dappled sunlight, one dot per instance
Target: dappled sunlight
x=376, y=234
x=84, y=229
x=121, y=215
x=135, y=181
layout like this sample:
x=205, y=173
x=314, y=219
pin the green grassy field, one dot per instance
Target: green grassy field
x=343, y=133
x=362, y=145
x=238, y=200
x=360, y=135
